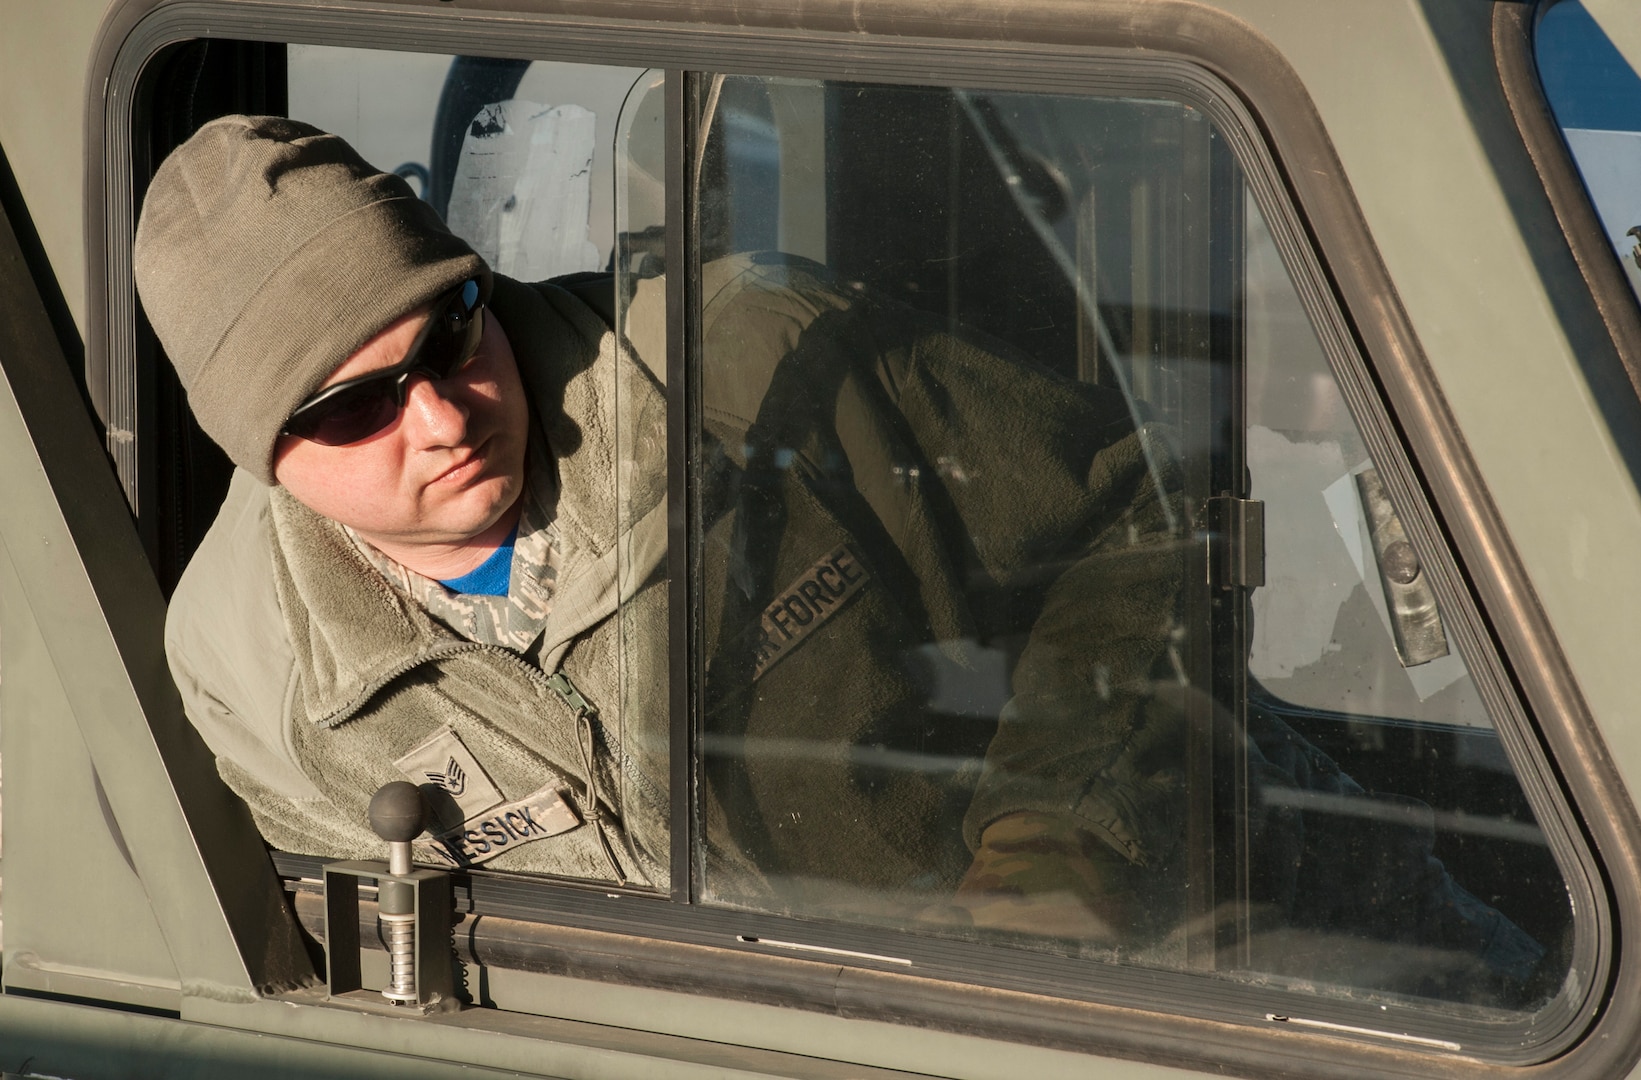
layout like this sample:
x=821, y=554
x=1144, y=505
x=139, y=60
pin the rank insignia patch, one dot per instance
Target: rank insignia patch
x=445, y=762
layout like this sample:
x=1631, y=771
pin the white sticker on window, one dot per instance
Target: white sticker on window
x=522, y=190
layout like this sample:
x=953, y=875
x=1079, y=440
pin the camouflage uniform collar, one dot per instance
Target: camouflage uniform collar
x=514, y=621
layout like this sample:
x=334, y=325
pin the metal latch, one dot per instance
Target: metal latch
x=1415, y=621
x=1236, y=542
x=413, y=914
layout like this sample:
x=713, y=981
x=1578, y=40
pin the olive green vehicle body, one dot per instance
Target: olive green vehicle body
x=145, y=933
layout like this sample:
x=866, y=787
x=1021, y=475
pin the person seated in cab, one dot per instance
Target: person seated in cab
x=442, y=558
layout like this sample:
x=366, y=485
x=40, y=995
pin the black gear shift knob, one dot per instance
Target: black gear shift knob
x=397, y=812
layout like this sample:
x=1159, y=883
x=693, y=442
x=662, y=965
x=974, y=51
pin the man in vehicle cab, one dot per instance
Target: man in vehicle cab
x=424, y=567
x=443, y=559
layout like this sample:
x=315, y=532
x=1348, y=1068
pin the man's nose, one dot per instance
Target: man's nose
x=434, y=413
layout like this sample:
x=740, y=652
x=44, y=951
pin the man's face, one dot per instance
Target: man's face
x=443, y=472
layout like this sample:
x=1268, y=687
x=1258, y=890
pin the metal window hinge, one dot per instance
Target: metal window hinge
x=1236, y=542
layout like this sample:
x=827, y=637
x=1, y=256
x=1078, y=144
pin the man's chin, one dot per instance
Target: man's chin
x=476, y=510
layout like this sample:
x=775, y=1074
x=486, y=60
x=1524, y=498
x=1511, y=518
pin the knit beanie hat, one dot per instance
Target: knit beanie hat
x=267, y=253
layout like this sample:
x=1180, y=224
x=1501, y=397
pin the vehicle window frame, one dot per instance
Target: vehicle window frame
x=1281, y=139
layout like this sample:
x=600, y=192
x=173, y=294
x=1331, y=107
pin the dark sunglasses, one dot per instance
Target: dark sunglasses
x=358, y=408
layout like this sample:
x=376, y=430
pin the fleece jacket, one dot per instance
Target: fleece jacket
x=881, y=502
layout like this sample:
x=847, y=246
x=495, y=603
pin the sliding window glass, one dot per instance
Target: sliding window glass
x=1050, y=596
x=520, y=159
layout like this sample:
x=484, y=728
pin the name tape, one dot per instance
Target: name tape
x=501, y=829
x=800, y=609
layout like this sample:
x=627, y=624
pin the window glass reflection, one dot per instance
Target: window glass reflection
x=997, y=390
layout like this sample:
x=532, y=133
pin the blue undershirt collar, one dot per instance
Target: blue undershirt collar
x=492, y=577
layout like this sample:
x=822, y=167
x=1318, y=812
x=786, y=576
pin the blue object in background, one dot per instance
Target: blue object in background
x=1586, y=79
